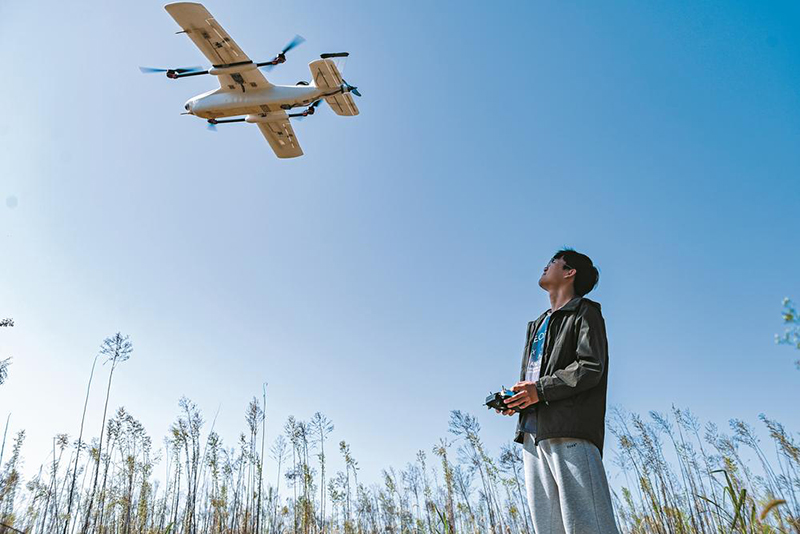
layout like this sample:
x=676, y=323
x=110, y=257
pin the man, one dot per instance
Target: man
x=562, y=395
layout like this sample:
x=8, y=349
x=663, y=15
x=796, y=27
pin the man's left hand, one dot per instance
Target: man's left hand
x=526, y=395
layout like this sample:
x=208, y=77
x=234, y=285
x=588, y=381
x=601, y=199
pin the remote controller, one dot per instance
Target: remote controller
x=496, y=400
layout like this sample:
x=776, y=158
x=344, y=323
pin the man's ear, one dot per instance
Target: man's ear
x=570, y=273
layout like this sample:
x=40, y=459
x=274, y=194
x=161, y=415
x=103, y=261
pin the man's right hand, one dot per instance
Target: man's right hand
x=505, y=412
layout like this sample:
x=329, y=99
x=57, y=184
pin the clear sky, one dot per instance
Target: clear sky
x=386, y=277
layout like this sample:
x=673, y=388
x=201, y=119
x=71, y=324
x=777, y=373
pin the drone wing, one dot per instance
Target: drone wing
x=216, y=45
x=280, y=135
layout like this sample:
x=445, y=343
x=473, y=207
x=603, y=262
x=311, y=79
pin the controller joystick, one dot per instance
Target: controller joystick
x=497, y=400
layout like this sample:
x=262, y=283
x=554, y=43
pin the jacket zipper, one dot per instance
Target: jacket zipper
x=545, y=354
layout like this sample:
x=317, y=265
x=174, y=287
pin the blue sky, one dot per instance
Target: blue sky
x=386, y=277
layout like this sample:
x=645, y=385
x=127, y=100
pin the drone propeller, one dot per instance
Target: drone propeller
x=306, y=112
x=350, y=88
x=281, y=57
x=298, y=40
x=171, y=73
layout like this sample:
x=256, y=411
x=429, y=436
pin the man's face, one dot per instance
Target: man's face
x=555, y=274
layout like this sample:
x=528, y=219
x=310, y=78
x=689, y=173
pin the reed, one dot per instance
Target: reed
x=791, y=333
x=679, y=477
x=4, y=364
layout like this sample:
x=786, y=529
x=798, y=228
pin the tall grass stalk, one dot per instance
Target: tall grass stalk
x=679, y=477
x=78, y=449
x=116, y=349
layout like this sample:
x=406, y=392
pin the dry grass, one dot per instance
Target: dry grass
x=681, y=477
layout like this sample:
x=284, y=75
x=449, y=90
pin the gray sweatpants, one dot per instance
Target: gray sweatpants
x=567, y=487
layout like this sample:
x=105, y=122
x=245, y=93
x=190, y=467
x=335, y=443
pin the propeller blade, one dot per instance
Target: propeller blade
x=151, y=70
x=352, y=89
x=211, y=127
x=281, y=57
x=298, y=40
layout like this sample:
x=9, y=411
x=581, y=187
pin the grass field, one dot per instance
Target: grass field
x=681, y=477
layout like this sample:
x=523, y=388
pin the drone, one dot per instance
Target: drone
x=245, y=93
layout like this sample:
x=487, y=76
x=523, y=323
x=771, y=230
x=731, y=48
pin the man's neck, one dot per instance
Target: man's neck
x=560, y=296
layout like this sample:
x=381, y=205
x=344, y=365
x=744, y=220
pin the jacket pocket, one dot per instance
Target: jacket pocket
x=569, y=402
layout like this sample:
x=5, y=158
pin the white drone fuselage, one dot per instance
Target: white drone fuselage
x=254, y=104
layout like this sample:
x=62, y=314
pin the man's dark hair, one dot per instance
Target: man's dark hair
x=586, y=276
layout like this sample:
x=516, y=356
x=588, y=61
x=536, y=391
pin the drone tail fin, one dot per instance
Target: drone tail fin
x=327, y=77
x=325, y=74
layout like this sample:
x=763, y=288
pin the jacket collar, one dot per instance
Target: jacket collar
x=573, y=304
x=569, y=306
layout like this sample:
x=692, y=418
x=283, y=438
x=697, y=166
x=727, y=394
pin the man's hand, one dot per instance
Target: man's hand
x=526, y=395
x=505, y=412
